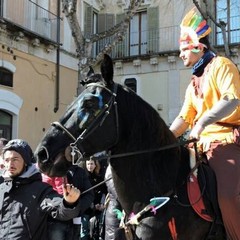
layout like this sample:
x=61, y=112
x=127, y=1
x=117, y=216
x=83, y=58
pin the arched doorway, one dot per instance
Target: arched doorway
x=5, y=125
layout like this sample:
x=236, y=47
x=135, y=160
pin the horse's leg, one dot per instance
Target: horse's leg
x=120, y=234
x=151, y=228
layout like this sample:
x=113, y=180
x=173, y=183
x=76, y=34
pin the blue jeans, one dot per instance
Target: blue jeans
x=85, y=227
x=90, y=229
x=60, y=230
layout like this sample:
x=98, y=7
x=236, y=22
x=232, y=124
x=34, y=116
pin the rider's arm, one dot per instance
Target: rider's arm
x=222, y=109
x=179, y=126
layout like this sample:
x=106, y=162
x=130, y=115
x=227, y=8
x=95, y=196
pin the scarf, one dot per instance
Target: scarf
x=198, y=68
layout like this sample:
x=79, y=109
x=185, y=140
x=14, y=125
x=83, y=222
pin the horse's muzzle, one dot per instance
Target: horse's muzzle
x=42, y=155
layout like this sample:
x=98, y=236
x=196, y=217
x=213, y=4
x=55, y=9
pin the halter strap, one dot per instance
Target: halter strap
x=58, y=124
x=92, y=126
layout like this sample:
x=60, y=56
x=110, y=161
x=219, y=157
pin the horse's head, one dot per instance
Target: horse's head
x=81, y=131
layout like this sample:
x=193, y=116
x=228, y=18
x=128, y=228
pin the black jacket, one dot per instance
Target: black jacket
x=25, y=204
x=99, y=192
x=78, y=177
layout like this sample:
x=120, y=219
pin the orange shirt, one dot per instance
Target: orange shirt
x=221, y=79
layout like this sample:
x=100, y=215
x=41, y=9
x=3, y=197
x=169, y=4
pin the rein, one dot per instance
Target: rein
x=95, y=186
x=169, y=193
x=109, y=156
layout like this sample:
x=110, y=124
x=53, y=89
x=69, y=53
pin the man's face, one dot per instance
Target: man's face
x=189, y=58
x=14, y=163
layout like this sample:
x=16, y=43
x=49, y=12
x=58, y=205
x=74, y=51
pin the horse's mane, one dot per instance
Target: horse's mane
x=142, y=114
x=145, y=129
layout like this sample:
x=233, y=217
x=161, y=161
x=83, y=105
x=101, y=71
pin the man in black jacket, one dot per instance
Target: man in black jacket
x=25, y=201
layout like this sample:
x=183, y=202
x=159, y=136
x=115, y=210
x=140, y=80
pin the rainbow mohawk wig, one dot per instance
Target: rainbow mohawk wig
x=193, y=28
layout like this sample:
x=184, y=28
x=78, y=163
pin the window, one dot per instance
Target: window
x=142, y=36
x=6, y=77
x=5, y=125
x=90, y=25
x=10, y=105
x=1, y=8
x=104, y=23
x=228, y=11
x=94, y=28
x=138, y=34
x=131, y=83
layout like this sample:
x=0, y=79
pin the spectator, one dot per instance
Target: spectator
x=111, y=220
x=25, y=201
x=69, y=230
x=103, y=162
x=3, y=142
x=95, y=211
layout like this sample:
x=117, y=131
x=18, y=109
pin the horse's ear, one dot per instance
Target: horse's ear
x=90, y=72
x=87, y=76
x=107, y=69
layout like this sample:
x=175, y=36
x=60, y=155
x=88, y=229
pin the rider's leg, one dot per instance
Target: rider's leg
x=225, y=161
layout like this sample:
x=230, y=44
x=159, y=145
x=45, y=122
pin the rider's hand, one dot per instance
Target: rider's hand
x=196, y=131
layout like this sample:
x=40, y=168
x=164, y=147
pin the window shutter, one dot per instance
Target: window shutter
x=109, y=21
x=88, y=20
x=105, y=22
x=101, y=23
x=122, y=47
x=153, y=29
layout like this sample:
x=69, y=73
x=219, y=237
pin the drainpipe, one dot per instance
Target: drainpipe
x=56, y=105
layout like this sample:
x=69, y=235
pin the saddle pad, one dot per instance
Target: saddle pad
x=195, y=198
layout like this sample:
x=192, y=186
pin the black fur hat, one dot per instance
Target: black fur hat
x=22, y=148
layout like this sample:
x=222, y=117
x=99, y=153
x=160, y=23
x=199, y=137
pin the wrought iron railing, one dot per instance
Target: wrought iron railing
x=154, y=41
x=30, y=16
x=40, y=20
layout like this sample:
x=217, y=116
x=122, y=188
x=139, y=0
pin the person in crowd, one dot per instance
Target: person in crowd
x=69, y=230
x=111, y=220
x=211, y=110
x=103, y=162
x=25, y=201
x=92, y=216
x=3, y=142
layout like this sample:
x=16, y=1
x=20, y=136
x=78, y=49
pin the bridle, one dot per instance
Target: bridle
x=76, y=147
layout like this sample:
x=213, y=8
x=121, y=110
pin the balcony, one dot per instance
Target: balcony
x=30, y=19
x=161, y=41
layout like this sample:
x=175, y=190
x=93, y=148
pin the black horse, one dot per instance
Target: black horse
x=108, y=116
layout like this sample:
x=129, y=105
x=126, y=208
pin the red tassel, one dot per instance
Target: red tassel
x=172, y=228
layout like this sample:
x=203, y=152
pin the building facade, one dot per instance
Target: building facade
x=148, y=58
x=39, y=66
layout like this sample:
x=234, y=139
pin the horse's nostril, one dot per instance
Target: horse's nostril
x=43, y=155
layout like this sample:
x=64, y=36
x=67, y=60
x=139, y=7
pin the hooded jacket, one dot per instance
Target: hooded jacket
x=25, y=204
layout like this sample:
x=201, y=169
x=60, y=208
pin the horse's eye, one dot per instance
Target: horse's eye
x=88, y=104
